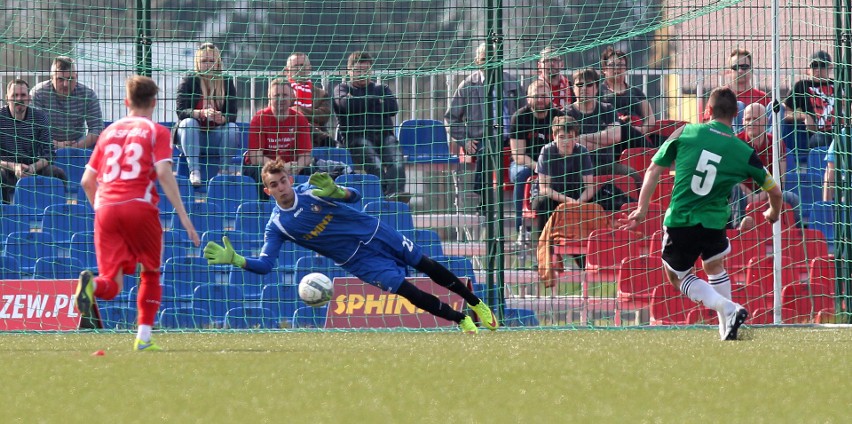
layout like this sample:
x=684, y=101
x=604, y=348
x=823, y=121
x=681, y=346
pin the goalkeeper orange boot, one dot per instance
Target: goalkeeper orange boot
x=486, y=318
x=85, y=294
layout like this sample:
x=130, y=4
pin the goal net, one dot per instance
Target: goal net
x=450, y=142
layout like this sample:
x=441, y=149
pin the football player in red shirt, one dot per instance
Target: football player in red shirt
x=120, y=181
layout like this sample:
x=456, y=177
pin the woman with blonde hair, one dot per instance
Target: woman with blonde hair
x=207, y=110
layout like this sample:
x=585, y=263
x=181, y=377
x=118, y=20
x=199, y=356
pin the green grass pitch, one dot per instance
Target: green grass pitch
x=776, y=375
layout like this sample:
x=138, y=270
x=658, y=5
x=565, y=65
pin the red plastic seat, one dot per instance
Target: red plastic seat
x=669, y=306
x=759, y=274
x=635, y=282
x=638, y=158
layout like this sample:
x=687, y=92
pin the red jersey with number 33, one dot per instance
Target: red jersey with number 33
x=125, y=158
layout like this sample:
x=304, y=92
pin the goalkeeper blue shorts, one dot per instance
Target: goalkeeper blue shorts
x=384, y=260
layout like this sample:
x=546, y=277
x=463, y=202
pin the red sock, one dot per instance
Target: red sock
x=105, y=288
x=148, y=300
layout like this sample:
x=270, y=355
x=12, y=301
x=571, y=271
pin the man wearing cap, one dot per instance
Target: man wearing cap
x=465, y=116
x=815, y=97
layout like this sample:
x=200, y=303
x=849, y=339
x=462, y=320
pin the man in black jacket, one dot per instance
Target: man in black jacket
x=365, y=112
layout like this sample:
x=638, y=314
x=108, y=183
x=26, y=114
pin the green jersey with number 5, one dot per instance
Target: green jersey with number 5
x=709, y=161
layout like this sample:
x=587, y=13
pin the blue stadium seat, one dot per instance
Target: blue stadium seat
x=281, y=299
x=808, y=186
x=229, y=191
x=315, y=263
x=515, y=317
x=218, y=299
x=63, y=220
x=308, y=317
x=369, y=186
x=289, y=254
x=204, y=216
x=117, y=317
x=253, y=216
x=57, y=268
x=822, y=218
x=177, y=243
x=9, y=268
x=425, y=141
x=251, y=317
x=165, y=205
x=337, y=154
x=251, y=283
x=395, y=214
x=27, y=247
x=429, y=242
x=73, y=161
x=184, y=317
x=461, y=266
x=183, y=274
x=297, y=179
x=796, y=140
x=38, y=192
x=82, y=248
x=16, y=218
x=245, y=244
x=816, y=160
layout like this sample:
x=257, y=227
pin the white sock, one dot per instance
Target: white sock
x=144, y=333
x=700, y=292
x=722, y=284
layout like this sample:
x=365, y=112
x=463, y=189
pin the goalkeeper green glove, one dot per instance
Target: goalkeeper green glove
x=325, y=186
x=218, y=255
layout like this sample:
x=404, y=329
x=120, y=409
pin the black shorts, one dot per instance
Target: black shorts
x=683, y=245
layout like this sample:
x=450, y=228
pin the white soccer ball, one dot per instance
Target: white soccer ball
x=316, y=289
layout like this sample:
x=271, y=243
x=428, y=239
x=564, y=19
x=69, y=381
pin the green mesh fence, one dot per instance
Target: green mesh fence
x=464, y=208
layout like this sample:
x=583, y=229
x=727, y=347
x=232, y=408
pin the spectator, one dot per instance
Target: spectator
x=530, y=131
x=365, y=112
x=311, y=100
x=278, y=132
x=550, y=68
x=600, y=132
x=755, y=134
x=25, y=143
x=739, y=78
x=207, y=110
x=466, y=117
x=630, y=103
x=815, y=97
x=565, y=173
x=72, y=109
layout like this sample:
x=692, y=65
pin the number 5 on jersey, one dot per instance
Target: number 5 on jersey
x=705, y=173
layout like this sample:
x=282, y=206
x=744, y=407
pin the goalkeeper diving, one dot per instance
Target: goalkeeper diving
x=316, y=216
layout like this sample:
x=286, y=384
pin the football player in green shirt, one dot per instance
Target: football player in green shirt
x=708, y=161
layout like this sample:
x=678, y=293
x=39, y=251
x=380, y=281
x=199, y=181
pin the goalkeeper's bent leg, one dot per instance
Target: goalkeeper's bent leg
x=428, y=302
x=442, y=276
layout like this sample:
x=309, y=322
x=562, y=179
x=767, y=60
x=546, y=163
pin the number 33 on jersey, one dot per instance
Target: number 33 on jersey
x=125, y=158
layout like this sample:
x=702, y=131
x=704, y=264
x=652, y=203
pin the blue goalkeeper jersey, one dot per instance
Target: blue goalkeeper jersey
x=326, y=226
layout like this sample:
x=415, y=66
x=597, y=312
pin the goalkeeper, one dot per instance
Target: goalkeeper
x=315, y=216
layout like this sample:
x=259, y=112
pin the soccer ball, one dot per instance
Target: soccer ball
x=316, y=289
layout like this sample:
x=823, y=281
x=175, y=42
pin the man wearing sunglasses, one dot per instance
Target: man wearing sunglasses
x=815, y=97
x=739, y=75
